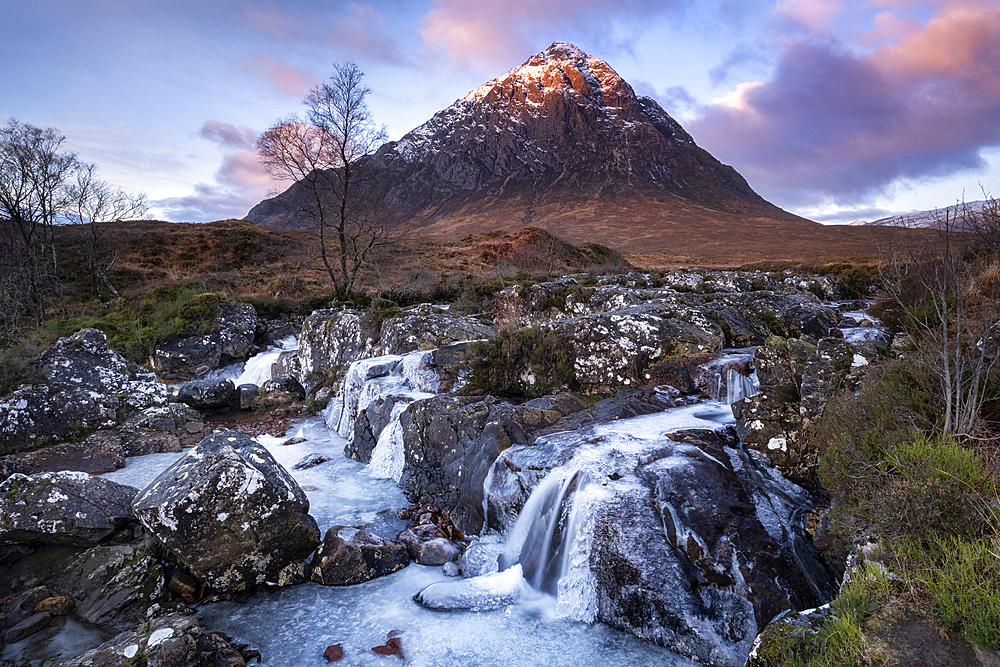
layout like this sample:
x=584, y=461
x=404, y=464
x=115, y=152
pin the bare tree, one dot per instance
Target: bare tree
x=324, y=155
x=33, y=174
x=954, y=316
x=97, y=206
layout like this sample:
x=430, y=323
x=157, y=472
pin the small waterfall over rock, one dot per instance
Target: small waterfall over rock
x=730, y=377
x=390, y=382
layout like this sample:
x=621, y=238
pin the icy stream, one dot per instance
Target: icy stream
x=519, y=625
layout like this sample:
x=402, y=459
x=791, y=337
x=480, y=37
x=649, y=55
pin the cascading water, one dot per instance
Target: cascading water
x=257, y=369
x=730, y=377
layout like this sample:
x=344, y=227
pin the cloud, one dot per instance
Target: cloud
x=355, y=30
x=837, y=124
x=289, y=81
x=240, y=181
x=498, y=33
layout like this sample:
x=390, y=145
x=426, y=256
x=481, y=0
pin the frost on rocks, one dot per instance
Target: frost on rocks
x=86, y=385
x=63, y=508
x=229, y=512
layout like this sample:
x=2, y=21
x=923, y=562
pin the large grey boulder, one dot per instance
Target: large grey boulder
x=85, y=385
x=71, y=508
x=411, y=332
x=233, y=340
x=613, y=350
x=449, y=444
x=207, y=394
x=229, y=512
x=690, y=542
x=329, y=339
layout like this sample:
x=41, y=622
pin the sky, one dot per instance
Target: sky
x=837, y=110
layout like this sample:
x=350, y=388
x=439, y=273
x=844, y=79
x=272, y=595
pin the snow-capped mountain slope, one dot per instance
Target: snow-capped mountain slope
x=562, y=131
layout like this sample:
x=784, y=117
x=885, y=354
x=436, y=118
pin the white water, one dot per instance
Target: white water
x=257, y=369
x=727, y=381
x=293, y=626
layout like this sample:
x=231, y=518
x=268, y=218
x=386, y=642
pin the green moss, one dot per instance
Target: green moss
x=502, y=366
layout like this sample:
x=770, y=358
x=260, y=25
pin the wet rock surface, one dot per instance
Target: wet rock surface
x=433, y=330
x=352, y=555
x=229, y=512
x=695, y=545
x=450, y=443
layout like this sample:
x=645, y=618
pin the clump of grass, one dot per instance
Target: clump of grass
x=844, y=635
x=522, y=363
x=962, y=578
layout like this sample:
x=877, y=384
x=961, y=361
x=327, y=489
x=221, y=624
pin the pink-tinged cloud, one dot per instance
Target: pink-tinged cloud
x=499, y=33
x=240, y=182
x=833, y=123
x=289, y=81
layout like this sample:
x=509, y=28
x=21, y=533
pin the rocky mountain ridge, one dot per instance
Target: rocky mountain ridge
x=561, y=142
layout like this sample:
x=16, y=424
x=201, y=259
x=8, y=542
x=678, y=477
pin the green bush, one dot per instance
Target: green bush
x=522, y=363
x=886, y=473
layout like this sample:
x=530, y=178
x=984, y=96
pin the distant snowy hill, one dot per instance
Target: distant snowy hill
x=933, y=219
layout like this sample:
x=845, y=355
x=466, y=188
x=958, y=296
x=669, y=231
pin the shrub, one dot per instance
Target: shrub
x=523, y=363
x=887, y=473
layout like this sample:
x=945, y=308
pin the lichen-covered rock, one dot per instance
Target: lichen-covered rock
x=162, y=429
x=236, y=328
x=613, y=350
x=63, y=508
x=229, y=512
x=352, y=555
x=786, y=314
x=823, y=373
x=284, y=384
x=207, y=394
x=86, y=385
x=329, y=339
x=170, y=640
x=400, y=335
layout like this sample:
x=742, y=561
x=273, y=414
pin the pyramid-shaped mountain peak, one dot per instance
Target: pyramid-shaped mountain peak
x=560, y=142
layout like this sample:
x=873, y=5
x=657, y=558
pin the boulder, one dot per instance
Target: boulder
x=786, y=314
x=411, y=332
x=63, y=508
x=352, y=555
x=171, y=640
x=229, y=512
x=687, y=540
x=162, y=429
x=98, y=453
x=329, y=339
x=284, y=384
x=613, y=350
x=449, y=444
x=207, y=394
x=233, y=340
x=86, y=386
x=246, y=394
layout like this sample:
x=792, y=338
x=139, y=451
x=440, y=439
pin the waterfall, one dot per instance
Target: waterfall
x=257, y=369
x=551, y=541
x=739, y=386
x=728, y=378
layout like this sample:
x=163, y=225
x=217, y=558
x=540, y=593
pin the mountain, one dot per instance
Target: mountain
x=563, y=143
x=957, y=216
